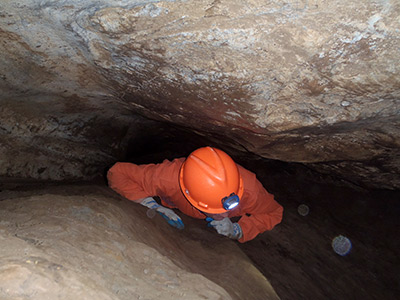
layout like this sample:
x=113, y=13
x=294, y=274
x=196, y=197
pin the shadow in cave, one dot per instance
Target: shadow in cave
x=297, y=256
x=168, y=141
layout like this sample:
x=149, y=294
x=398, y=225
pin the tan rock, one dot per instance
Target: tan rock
x=304, y=81
x=96, y=246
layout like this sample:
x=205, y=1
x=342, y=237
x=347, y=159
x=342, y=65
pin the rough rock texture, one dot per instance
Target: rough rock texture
x=306, y=81
x=85, y=243
x=296, y=257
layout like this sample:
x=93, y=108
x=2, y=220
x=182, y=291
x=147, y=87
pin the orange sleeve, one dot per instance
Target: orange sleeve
x=262, y=213
x=126, y=179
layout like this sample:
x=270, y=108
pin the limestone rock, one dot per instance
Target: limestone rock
x=93, y=245
x=304, y=81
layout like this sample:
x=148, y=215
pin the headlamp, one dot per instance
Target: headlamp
x=230, y=202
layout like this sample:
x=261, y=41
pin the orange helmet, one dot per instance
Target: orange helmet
x=208, y=178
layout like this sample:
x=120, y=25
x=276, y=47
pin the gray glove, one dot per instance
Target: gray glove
x=227, y=228
x=168, y=214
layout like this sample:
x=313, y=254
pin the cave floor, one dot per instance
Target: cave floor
x=297, y=256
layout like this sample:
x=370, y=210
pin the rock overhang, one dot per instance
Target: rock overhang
x=309, y=82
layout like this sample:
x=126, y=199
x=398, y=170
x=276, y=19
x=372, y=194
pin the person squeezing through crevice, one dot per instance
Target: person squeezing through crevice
x=208, y=185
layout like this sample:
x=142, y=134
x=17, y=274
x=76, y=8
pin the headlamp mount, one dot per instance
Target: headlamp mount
x=230, y=202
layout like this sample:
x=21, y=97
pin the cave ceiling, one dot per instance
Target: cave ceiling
x=314, y=82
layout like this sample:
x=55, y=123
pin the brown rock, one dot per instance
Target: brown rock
x=307, y=81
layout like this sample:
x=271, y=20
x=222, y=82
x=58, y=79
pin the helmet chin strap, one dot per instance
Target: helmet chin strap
x=217, y=217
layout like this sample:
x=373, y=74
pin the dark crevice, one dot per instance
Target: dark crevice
x=300, y=245
x=296, y=256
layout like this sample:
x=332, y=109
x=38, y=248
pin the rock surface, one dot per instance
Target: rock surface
x=302, y=81
x=296, y=257
x=84, y=242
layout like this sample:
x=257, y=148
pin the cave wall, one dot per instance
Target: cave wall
x=62, y=139
x=301, y=81
x=86, y=242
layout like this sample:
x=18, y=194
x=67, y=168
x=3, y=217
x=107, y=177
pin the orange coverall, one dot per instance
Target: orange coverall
x=258, y=209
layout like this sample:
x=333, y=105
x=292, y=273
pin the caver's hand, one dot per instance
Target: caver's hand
x=168, y=214
x=227, y=228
